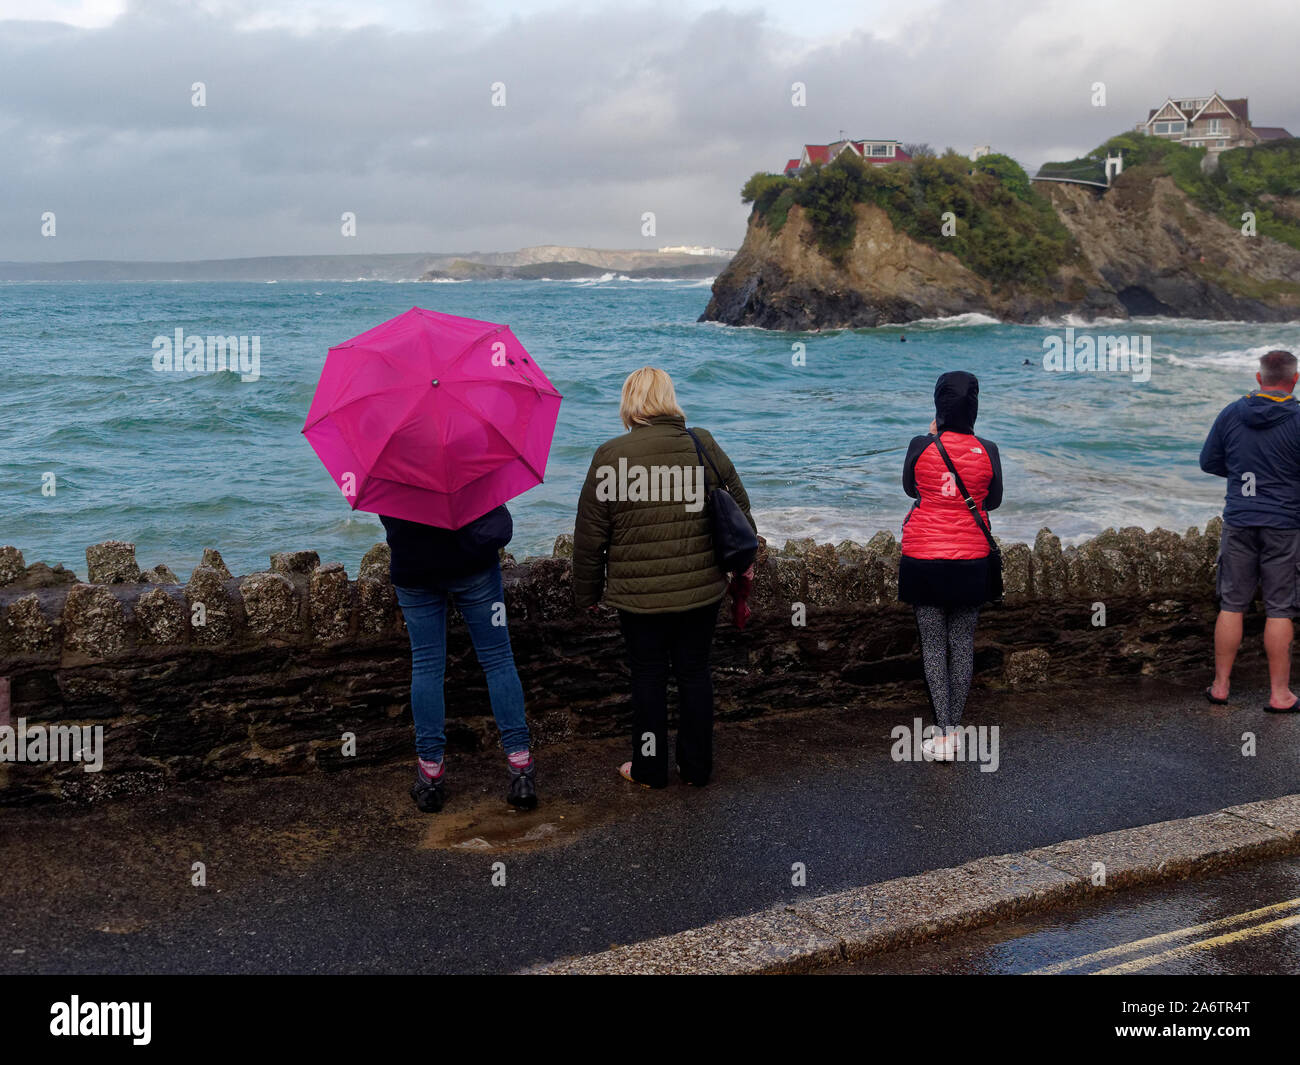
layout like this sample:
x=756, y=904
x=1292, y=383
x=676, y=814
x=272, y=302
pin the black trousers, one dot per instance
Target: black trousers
x=656, y=643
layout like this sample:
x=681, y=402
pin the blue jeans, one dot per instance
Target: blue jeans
x=481, y=601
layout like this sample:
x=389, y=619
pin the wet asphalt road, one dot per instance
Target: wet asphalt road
x=339, y=872
x=1243, y=922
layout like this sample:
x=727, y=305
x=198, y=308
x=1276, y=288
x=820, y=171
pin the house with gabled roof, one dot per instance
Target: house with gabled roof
x=869, y=151
x=1212, y=122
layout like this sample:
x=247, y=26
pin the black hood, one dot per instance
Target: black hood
x=956, y=402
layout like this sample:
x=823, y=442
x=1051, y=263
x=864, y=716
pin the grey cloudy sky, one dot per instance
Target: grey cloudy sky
x=383, y=108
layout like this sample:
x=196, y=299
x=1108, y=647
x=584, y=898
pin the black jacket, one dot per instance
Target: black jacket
x=424, y=556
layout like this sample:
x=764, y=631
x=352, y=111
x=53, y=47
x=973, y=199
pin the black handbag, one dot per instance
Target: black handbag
x=994, y=589
x=734, y=542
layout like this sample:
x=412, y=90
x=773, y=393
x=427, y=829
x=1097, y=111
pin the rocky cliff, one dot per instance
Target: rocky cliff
x=1140, y=247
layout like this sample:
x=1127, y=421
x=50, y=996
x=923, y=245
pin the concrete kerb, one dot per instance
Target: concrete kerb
x=853, y=924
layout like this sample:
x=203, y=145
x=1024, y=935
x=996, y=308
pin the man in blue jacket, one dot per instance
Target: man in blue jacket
x=1255, y=444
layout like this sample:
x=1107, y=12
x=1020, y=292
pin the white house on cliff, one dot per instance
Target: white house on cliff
x=1209, y=122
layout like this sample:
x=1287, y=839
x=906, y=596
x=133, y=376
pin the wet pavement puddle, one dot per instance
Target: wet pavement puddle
x=493, y=826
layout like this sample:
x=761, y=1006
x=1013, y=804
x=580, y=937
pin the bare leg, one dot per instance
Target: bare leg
x=1277, y=645
x=1227, y=639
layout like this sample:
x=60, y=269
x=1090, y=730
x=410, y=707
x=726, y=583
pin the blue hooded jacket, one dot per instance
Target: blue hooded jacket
x=1259, y=434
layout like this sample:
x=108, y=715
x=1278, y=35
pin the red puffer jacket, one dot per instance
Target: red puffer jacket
x=942, y=526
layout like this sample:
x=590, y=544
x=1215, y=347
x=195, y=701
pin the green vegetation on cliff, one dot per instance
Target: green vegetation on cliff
x=1003, y=231
x=1264, y=180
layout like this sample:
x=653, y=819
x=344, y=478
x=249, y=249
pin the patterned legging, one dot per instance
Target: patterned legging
x=948, y=655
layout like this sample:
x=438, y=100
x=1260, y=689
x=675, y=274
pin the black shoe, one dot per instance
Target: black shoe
x=429, y=795
x=523, y=787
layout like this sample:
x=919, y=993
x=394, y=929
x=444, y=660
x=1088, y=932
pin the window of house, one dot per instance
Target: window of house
x=1220, y=144
x=883, y=150
x=1215, y=126
x=1177, y=127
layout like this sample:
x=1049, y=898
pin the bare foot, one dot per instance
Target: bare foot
x=1284, y=701
x=1218, y=691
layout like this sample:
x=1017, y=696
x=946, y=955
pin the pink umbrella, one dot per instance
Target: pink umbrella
x=432, y=418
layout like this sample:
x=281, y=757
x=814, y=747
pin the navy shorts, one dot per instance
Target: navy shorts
x=1253, y=556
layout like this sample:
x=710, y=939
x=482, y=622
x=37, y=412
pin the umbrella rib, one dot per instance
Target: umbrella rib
x=472, y=345
x=476, y=342
x=516, y=383
x=485, y=422
x=478, y=414
x=358, y=399
x=446, y=471
x=352, y=373
x=502, y=436
x=443, y=448
x=393, y=435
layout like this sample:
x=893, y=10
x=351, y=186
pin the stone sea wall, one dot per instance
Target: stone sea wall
x=267, y=673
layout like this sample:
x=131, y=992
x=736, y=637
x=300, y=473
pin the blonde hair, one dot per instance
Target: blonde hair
x=647, y=392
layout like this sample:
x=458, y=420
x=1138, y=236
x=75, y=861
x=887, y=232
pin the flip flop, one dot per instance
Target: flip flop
x=1294, y=708
x=1216, y=702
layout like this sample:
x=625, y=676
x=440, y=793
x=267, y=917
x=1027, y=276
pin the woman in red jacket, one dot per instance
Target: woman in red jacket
x=943, y=573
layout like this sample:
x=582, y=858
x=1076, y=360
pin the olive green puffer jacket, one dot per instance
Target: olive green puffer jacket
x=649, y=557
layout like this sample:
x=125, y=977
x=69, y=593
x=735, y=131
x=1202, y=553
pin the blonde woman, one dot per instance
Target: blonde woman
x=642, y=540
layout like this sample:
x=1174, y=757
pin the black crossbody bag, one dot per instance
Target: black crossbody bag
x=734, y=542
x=994, y=590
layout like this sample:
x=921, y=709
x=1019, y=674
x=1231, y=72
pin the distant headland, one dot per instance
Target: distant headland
x=559, y=262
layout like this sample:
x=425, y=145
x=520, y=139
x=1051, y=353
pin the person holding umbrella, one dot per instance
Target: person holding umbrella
x=433, y=422
x=431, y=567
x=643, y=541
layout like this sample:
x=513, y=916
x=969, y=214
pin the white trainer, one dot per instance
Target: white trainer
x=942, y=748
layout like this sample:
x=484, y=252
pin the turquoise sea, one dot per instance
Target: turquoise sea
x=179, y=462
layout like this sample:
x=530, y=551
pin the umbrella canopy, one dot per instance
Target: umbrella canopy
x=432, y=418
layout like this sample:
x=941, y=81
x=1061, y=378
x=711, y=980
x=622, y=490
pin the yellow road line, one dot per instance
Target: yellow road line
x=1166, y=937
x=1186, y=949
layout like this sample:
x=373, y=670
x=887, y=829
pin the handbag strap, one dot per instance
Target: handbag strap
x=704, y=458
x=971, y=505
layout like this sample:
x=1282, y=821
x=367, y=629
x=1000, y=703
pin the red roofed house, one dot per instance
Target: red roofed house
x=1208, y=122
x=868, y=151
